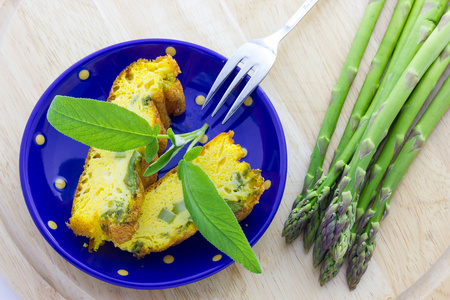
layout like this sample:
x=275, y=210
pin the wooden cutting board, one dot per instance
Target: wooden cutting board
x=39, y=39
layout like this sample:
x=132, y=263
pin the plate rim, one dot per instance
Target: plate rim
x=39, y=223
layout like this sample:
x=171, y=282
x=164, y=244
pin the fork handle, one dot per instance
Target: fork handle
x=293, y=21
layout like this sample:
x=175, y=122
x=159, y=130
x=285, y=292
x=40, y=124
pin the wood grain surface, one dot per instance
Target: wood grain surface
x=40, y=39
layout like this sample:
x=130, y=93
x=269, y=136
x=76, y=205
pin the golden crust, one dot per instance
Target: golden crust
x=175, y=101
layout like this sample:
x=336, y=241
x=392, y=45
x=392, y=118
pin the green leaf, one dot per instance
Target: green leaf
x=171, y=135
x=151, y=149
x=156, y=129
x=99, y=124
x=193, y=153
x=162, y=161
x=178, y=140
x=213, y=217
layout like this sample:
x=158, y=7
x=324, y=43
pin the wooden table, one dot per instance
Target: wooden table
x=39, y=39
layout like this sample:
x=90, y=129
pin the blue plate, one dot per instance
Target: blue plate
x=257, y=128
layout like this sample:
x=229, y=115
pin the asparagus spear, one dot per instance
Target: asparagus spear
x=339, y=93
x=377, y=67
x=362, y=250
x=399, y=132
x=340, y=215
x=318, y=255
x=412, y=17
x=307, y=206
x=430, y=13
x=412, y=38
x=330, y=267
x=368, y=90
x=424, y=23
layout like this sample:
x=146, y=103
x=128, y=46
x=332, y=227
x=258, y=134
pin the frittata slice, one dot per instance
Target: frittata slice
x=109, y=193
x=165, y=222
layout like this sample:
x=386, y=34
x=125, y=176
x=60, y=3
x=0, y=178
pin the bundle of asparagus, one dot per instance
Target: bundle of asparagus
x=340, y=212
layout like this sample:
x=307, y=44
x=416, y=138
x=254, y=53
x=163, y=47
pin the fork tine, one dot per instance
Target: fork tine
x=244, y=70
x=248, y=89
x=224, y=73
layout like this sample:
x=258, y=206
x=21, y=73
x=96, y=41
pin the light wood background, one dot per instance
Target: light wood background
x=39, y=39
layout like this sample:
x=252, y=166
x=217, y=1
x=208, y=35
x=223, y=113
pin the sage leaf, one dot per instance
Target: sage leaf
x=156, y=129
x=171, y=135
x=193, y=153
x=213, y=217
x=162, y=161
x=177, y=140
x=151, y=150
x=99, y=124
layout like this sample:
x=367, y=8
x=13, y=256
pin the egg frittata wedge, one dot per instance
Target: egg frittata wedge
x=110, y=190
x=164, y=220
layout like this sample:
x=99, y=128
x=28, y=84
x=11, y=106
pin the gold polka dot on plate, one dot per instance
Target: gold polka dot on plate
x=200, y=99
x=217, y=257
x=52, y=225
x=83, y=75
x=267, y=184
x=171, y=51
x=245, y=151
x=60, y=183
x=39, y=139
x=168, y=259
x=122, y=272
x=204, y=139
x=248, y=101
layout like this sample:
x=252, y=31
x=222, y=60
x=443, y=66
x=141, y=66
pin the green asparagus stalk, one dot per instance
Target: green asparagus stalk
x=377, y=67
x=339, y=94
x=303, y=212
x=399, y=132
x=307, y=206
x=425, y=15
x=412, y=17
x=318, y=254
x=362, y=250
x=340, y=215
x=368, y=90
x=330, y=267
x=425, y=23
x=311, y=233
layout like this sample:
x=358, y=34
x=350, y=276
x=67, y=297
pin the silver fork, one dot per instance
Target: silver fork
x=257, y=55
